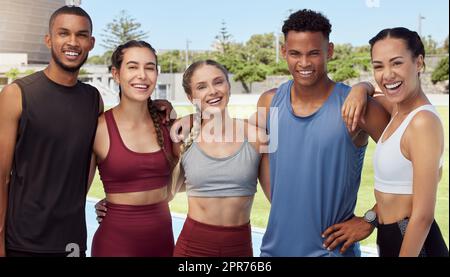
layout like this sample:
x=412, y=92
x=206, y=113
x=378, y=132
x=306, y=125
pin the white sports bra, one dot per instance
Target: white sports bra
x=392, y=171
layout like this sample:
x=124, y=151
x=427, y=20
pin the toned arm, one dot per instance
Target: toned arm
x=264, y=102
x=10, y=111
x=423, y=144
x=375, y=120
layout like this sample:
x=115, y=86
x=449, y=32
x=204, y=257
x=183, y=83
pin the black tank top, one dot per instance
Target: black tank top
x=47, y=192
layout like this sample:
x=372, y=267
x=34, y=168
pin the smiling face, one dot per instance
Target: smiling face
x=137, y=74
x=70, y=41
x=395, y=69
x=307, y=54
x=210, y=88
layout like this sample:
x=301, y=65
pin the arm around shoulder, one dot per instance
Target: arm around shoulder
x=375, y=120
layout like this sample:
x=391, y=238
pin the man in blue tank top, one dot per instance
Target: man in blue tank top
x=316, y=169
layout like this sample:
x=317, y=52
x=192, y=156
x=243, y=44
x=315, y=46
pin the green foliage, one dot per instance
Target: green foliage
x=252, y=61
x=121, y=30
x=174, y=61
x=345, y=73
x=171, y=61
x=446, y=45
x=28, y=72
x=104, y=59
x=430, y=45
x=280, y=68
x=13, y=74
x=223, y=39
x=440, y=73
x=347, y=61
x=83, y=72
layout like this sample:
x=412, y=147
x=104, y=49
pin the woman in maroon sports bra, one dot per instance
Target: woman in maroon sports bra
x=133, y=152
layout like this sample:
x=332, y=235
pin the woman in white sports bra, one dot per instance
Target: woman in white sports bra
x=222, y=161
x=408, y=157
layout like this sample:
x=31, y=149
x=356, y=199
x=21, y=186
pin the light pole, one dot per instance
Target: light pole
x=187, y=52
x=277, y=47
x=419, y=29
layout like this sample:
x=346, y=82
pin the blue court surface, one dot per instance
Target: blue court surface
x=177, y=224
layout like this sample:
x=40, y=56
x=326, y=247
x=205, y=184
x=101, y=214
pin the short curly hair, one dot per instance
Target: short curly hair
x=307, y=21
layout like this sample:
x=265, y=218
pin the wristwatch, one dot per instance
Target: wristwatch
x=371, y=217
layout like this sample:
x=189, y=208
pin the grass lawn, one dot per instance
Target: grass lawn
x=366, y=197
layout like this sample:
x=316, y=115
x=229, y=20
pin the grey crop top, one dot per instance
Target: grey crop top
x=232, y=176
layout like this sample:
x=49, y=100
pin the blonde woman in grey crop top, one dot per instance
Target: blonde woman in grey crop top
x=221, y=170
x=408, y=157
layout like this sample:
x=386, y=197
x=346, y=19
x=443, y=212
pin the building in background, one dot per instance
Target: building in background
x=23, y=25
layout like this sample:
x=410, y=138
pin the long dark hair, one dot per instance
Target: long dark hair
x=116, y=62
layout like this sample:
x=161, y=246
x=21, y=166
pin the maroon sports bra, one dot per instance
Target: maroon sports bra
x=124, y=170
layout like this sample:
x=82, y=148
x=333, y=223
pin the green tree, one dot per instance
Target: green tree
x=171, y=61
x=280, y=68
x=252, y=61
x=348, y=61
x=342, y=51
x=345, y=73
x=440, y=73
x=223, y=39
x=430, y=45
x=121, y=30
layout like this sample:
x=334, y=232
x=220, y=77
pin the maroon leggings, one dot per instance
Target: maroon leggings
x=134, y=231
x=203, y=240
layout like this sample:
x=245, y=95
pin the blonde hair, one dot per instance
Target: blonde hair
x=178, y=172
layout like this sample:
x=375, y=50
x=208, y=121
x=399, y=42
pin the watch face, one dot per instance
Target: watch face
x=370, y=216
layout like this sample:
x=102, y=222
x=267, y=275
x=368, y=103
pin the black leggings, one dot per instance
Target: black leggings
x=390, y=238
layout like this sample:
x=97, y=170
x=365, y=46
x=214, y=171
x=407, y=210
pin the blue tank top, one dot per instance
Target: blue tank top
x=314, y=174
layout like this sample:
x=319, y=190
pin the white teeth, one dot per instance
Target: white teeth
x=304, y=72
x=73, y=54
x=140, y=86
x=213, y=101
x=393, y=86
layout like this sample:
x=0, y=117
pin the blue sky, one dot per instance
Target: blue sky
x=171, y=22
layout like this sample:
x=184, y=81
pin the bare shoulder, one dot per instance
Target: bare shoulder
x=11, y=100
x=256, y=136
x=266, y=98
x=101, y=142
x=101, y=121
x=425, y=129
x=11, y=92
x=425, y=121
x=102, y=130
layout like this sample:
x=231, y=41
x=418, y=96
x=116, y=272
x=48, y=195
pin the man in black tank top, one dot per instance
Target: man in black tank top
x=48, y=122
